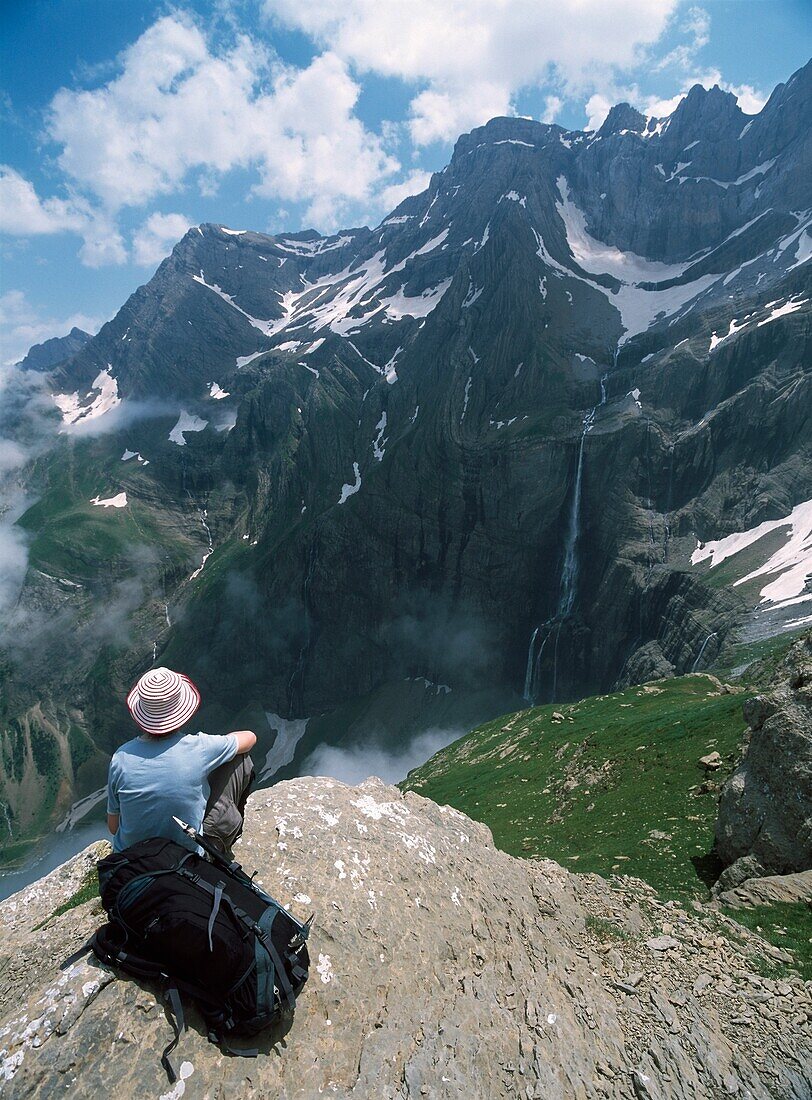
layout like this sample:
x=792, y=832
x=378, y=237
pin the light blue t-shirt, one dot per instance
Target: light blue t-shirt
x=153, y=779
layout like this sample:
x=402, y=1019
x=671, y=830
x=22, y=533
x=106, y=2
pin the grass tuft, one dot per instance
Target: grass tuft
x=88, y=890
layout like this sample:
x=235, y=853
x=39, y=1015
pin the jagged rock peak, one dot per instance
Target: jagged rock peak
x=442, y=967
x=706, y=112
x=51, y=352
x=622, y=117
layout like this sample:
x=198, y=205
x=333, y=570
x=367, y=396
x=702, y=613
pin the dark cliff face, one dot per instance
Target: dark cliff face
x=476, y=444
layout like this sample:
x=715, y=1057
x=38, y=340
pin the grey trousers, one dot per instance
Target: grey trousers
x=230, y=785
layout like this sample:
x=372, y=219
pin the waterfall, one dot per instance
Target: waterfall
x=528, y=675
x=669, y=503
x=298, y=671
x=203, y=513
x=695, y=665
x=568, y=584
x=7, y=815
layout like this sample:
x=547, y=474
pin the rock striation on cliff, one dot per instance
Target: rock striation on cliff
x=442, y=967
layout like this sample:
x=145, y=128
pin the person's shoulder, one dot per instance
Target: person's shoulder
x=127, y=748
x=197, y=739
x=202, y=738
x=207, y=743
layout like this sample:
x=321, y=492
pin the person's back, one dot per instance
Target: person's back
x=166, y=773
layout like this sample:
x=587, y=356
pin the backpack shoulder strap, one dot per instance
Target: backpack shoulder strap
x=178, y=1021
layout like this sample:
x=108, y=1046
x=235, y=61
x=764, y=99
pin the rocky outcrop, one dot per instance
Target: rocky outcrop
x=769, y=890
x=442, y=967
x=765, y=812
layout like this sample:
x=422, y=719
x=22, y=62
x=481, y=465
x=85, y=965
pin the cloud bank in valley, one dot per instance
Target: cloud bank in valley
x=353, y=765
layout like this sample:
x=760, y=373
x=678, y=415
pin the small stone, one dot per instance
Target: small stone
x=662, y=943
x=702, y=983
x=711, y=762
x=615, y=960
x=624, y=987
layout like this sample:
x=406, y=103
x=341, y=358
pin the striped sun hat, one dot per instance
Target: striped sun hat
x=162, y=701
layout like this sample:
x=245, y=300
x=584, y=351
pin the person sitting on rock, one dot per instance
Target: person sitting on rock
x=166, y=772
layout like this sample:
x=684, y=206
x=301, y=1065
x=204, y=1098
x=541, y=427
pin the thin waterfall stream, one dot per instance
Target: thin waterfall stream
x=568, y=585
x=695, y=665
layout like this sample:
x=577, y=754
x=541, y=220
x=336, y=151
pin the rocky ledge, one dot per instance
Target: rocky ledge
x=442, y=967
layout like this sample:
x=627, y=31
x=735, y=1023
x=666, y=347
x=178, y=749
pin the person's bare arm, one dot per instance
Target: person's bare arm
x=112, y=822
x=246, y=740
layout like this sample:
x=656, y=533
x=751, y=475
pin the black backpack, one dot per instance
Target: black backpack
x=205, y=929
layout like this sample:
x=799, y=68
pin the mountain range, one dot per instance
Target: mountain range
x=543, y=432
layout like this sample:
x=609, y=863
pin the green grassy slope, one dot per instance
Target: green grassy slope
x=610, y=784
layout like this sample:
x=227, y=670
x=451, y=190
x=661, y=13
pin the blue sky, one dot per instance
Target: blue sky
x=126, y=121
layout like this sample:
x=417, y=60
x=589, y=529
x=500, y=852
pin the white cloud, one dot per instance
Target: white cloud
x=751, y=99
x=442, y=114
x=473, y=56
x=395, y=193
x=179, y=106
x=661, y=108
x=181, y=109
x=353, y=765
x=696, y=25
x=157, y=236
x=552, y=106
x=597, y=108
x=23, y=213
x=21, y=326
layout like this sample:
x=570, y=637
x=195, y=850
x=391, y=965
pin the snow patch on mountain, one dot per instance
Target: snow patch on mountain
x=401, y=305
x=639, y=306
x=380, y=441
x=790, y=566
x=187, y=422
x=244, y=360
x=118, y=501
x=759, y=170
x=289, y=732
x=790, y=306
x=472, y=295
x=605, y=259
x=266, y=327
x=348, y=490
x=103, y=396
x=735, y=326
x=313, y=248
x=466, y=396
